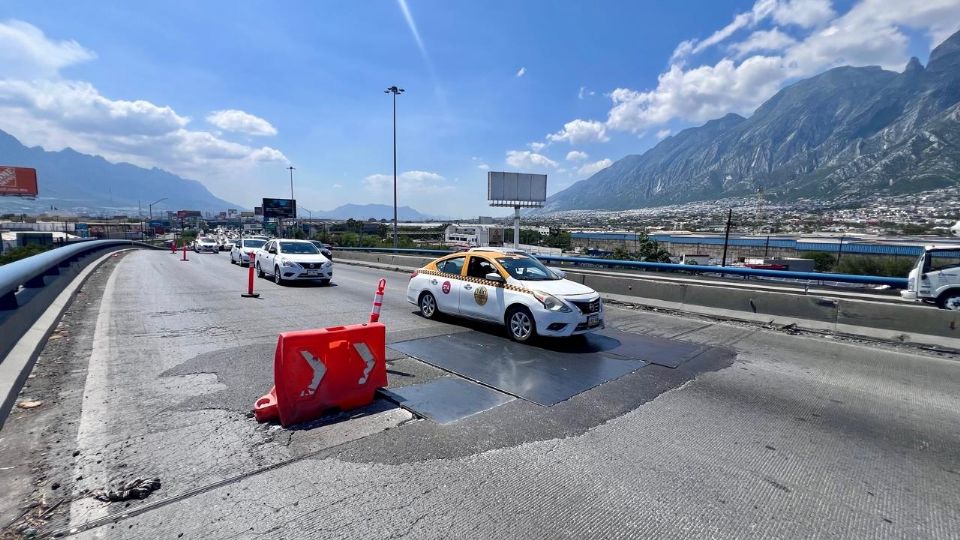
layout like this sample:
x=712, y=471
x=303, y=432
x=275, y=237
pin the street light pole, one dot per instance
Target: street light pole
x=150, y=206
x=395, y=91
x=291, y=168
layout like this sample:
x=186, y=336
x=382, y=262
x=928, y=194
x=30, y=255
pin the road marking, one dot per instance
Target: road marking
x=92, y=430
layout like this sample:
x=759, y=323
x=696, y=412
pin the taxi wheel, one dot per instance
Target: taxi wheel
x=260, y=273
x=277, y=278
x=520, y=324
x=428, y=306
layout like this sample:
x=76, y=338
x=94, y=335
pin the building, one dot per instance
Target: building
x=473, y=235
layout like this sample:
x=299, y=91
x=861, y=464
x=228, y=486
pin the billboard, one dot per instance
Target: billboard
x=18, y=181
x=183, y=214
x=279, y=208
x=247, y=214
x=516, y=189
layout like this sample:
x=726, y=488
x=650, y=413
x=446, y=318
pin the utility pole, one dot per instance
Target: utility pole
x=395, y=91
x=291, y=168
x=726, y=238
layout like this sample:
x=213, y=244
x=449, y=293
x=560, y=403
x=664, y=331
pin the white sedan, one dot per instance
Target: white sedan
x=509, y=288
x=245, y=248
x=289, y=260
x=206, y=243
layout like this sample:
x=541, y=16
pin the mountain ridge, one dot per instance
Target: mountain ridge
x=849, y=132
x=71, y=180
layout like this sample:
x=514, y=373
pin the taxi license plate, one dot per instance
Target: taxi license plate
x=310, y=273
x=593, y=320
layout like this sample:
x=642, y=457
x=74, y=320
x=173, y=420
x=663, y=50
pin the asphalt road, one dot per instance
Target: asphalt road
x=156, y=364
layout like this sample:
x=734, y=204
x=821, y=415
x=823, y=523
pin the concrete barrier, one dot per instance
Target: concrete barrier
x=885, y=320
x=900, y=319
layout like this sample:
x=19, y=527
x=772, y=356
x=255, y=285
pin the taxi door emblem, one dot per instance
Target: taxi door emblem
x=480, y=295
x=445, y=287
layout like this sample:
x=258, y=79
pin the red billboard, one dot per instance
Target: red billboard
x=18, y=181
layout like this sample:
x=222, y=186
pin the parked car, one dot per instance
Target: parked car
x=245, y=248
x=507, y=287
x=289, y=260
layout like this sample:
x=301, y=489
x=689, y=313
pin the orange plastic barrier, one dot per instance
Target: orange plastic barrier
x=318, y=370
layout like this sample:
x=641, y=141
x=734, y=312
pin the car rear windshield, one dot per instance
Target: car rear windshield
x=254, y=243
x=303, y=248
x=526, y=269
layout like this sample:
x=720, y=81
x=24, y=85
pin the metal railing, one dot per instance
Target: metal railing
x=29, y=272
x=900, y=283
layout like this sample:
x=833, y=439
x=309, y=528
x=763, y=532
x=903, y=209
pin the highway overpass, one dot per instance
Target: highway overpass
x=761, y=432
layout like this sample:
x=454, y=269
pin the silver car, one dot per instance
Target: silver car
x=244, y=249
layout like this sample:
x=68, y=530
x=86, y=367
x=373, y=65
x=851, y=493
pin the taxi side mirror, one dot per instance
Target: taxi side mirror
x=493, y=276
x=560, y=273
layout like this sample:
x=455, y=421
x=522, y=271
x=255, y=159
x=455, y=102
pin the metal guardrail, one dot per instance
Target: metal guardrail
x=31, y=270
x=900, y=283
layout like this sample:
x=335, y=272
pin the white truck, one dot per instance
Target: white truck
x=936, y=278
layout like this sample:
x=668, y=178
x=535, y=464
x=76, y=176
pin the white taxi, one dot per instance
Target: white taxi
x=509, y=288
x=289, y=260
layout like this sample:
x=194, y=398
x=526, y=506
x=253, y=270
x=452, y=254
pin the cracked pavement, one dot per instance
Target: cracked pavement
x=791, y=436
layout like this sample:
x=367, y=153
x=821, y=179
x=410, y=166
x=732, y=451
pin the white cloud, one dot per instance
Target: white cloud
x=409, y=182
x=663, y=134
x=521, y=72
x=762, y=40
x=26, y=53
x=528, y=161
x=698, y=94
x=871, y=32
x=595, y=167
x=537, y=146
x=337, y=186
x=576, y=155
x=584, y=93
x=42, y=108
x=804, y=13
x=241, y=122
x=580, y=131
x=483, y=167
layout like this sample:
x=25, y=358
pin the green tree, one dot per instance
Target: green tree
x=17, y=253
x=822, y=261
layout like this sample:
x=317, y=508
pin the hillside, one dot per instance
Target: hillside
x=849, y=133
x=69, y=180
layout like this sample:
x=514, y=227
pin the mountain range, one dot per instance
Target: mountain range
x=83, y=183
x=69, y=180
x=371, y=211
x=846, y=134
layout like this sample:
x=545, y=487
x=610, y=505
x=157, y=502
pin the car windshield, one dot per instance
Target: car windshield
x=527, y=269
x=253, y=243
x=302, y=248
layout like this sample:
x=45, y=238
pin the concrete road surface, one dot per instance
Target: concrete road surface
x=157, y=363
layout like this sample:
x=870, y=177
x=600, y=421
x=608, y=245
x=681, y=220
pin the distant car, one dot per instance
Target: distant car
x=324, y=248
x=245, y=248
x=507, y=287
x=289, y=260
x=206, y=244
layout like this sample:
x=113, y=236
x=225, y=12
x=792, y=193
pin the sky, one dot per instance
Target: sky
x=231, y=93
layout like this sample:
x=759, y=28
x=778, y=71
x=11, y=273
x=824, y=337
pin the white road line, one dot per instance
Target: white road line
x=91, y=431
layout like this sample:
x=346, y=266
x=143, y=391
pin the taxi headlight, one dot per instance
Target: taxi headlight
x=552, y=303
x=287, y=262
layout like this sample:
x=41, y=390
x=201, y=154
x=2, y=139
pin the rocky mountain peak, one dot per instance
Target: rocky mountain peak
x=913, y=66
x=946, y=56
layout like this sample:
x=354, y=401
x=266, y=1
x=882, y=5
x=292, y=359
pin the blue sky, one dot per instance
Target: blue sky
x=230, y=93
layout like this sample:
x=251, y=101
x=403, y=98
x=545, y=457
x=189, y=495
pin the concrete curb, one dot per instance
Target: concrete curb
x=899, y=323
x=19, y=362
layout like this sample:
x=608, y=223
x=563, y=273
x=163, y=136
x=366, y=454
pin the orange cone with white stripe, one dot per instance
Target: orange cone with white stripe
x=378, y=301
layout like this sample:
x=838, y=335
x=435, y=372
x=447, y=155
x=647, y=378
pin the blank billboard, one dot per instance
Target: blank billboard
x=516, y=189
